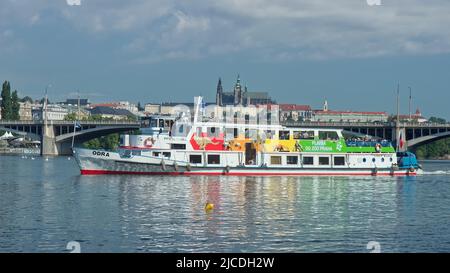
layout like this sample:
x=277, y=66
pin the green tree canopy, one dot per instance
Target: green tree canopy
x=6, y=101
x=437, y=120
x=15, y=106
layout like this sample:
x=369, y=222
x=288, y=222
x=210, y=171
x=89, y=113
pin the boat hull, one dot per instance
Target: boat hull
x=112, y=164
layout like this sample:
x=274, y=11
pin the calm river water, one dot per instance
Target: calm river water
x=45, y=204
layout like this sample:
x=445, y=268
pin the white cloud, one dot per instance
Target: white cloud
x=35, y=19
x=271, y=30
x=73, y=2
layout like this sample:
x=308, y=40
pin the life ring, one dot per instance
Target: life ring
x=378, y=148
x=412, y=169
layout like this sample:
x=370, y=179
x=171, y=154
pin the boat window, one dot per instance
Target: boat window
x=167, y=123
x=213, y=132
x=213, y=159
x=161, y=123
x=390, y=159
x=308, y=160
x=324, y=160
x=125, y=154
x=177, y=146
x=166, y=154
x=153, y=123
x=328, y=135
x=339, y=161
x=382, y=159
x=145, y=122
x=195, y=159
x=156, y=154
x=136, y=152
x=268, y=134
x=373, y=160
x=292, y=160
x=307, y=135
x=229, y=133
x=364, y=160
x=296, y=135
x=284, y=135
x=275, y=160
x=251, y=133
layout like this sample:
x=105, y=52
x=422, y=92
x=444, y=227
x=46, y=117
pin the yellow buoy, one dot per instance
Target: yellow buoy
x=209, y=206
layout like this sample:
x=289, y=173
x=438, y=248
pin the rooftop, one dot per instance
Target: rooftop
x=103, y=110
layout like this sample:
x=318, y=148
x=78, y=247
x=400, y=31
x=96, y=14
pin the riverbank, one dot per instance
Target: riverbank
x=19, y=151
x=445, y=157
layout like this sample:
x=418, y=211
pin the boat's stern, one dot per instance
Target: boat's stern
x=408, y=161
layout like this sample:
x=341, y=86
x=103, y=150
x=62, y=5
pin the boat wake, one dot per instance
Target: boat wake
x=439, y=172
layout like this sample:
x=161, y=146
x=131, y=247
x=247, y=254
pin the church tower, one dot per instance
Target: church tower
x=325, y=106
x=246, y=97
x=238, y=92
x=219, y=93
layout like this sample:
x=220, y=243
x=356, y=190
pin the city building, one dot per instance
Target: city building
x=152, y=108
x=416, y=117
x=54, y=112
x=295, y=112
x=81, y=112
x=83, y=102
x=124, y=105
x=25, y=112
x=349, y=116
x=326, y=115
x=240, y=95
x=111, y=113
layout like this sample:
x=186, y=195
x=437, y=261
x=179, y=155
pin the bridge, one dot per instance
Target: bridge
x=415, y=134
x=56, y=136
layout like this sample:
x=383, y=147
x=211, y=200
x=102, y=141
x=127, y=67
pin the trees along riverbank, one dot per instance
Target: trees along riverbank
x=437, y=150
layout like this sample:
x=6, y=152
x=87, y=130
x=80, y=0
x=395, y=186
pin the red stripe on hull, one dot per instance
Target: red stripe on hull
x=102, y=172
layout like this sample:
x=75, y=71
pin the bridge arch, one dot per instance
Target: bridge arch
x=88, y=134
x=415, y=143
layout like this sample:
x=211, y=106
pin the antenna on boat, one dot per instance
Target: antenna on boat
x=410, y=101
x=397, y=123
x=197, y=104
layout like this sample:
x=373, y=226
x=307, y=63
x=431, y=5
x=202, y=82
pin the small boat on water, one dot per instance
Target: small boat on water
x=182, y=146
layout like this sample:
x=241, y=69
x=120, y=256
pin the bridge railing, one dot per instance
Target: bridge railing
x=362, y=124
x=66, y=122
x=336, y=124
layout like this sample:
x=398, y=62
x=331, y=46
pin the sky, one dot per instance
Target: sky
x=349, y=52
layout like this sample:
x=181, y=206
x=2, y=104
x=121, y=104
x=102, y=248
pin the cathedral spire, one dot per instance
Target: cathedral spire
x=219, y=92
x=238, y=91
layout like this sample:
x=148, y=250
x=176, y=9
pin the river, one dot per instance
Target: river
x=45, y=204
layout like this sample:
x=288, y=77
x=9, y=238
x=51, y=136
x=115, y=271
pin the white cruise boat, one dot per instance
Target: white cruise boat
x=169, y=146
